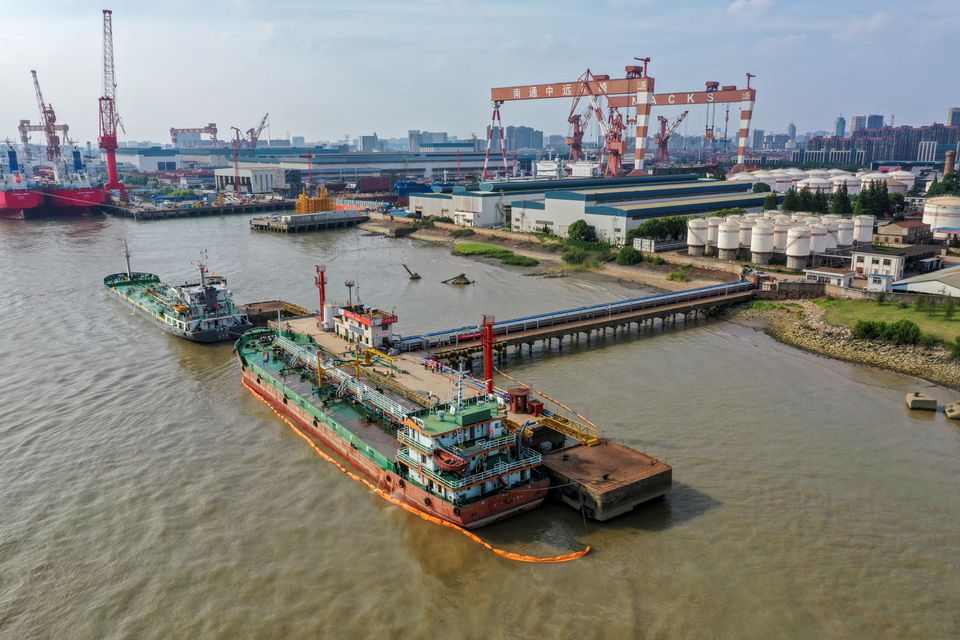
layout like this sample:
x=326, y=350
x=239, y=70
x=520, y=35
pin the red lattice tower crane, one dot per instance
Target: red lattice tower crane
x=48, y=120
x=616, y=145
x=321, y=281
x=109, y=117
x=662, y=139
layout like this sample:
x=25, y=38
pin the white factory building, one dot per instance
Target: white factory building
x=611, y=206
x=251, y=180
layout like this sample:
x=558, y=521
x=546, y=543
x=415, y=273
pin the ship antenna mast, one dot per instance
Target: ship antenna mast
x=126, y=254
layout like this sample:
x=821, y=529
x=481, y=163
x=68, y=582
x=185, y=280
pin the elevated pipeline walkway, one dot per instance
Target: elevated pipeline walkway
x=463, y=343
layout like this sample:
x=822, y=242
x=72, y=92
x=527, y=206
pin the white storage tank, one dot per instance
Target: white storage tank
x=845, y=232
x=798, y=248
x=746, y=232
x=815, y=184
x=942, y=212
x=713, y=230
x=867, y=178
x=863, y=229
x=833, y=233
x=780, y=231
x=818, y=238
x=728, y=240
x=761, y=243
x=696, y=236
x=907, y=178
x=852, y=182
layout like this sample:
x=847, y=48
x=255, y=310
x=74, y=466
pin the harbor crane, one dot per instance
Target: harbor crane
x=109, y=117
x=635, y=92
x=253, y=134
x=662, y=139
x=48, y=123
x=210, y=130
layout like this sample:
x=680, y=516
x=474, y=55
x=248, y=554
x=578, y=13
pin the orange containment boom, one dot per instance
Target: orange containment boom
x=519, y=557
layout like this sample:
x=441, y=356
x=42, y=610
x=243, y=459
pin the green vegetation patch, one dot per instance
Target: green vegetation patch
x=484, y=250
x=931, y=318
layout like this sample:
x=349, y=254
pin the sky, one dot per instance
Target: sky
x=326, y=70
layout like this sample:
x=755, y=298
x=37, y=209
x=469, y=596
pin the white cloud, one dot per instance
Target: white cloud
x=749, y=6
x=856, y=29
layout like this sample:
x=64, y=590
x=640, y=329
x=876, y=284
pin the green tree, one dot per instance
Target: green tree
x=761, y=187
x=790, y=200
x=628, y=255
x=805, y=199
x=582, y=232
x=898, y=203
x=820, y=203
x=770, y=202
x=719, y=174
x=840, y=201
x=949, y=308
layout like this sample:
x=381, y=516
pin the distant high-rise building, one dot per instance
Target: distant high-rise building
x=953, y=117
x=874, y=121
x=557, y=142
x=792, y=131
x=757, y=139
x=840, y=127
x=859, y=122
x=298, y=141
x=417, y=137
x=370, y=143
x=524, y=138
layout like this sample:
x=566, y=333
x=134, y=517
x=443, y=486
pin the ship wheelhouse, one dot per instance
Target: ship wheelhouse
x=463, y=452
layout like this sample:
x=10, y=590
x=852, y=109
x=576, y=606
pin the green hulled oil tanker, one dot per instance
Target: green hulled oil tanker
x=201, y=311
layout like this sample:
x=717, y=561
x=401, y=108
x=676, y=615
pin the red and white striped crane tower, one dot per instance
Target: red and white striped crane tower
x=109, y=117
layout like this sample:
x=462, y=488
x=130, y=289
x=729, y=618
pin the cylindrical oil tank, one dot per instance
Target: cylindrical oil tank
x=818, y=238
x=798, y=248
x=761, y=243
x=852, y=183
x=907, y=178
x=713, y=230
x=845, y=233
x=780, y=231
x=728, y=240
x=800, y=217
x=746, y=231
x=696, y=236
x=833, y=233
x=863, y=228
x=942, y=212
x=815, y=184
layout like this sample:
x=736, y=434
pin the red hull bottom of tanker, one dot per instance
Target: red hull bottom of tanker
x=19, y=204
x=471, y=516
x=73, y=202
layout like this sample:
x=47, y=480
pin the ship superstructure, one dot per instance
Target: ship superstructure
x=19, y=198
x=201, y=310
x=72, y=191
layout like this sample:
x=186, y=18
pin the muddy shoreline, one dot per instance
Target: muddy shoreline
x=801, y=325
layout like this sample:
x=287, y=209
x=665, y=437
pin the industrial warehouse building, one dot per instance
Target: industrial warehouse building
x=251, y=180
x=940, y=283
x=612, y=206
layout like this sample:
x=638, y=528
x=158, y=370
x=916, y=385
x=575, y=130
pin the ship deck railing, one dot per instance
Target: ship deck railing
x=529, y=458
x=361, y=391
x=485, y=444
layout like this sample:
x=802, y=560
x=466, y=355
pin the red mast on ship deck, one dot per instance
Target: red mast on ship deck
x=321, y=282
x=486, y=339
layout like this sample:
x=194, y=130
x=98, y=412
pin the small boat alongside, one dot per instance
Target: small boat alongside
x=200, y=311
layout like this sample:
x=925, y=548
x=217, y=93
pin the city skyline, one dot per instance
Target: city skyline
x=323, y=71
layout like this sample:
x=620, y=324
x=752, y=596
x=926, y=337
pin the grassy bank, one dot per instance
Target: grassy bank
x=932, y=321
x=506, y=256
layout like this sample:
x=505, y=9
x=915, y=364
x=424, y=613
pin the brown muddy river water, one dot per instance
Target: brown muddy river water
x=147, y=494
